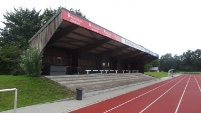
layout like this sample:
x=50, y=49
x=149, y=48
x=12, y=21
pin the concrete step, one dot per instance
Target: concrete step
x=95, y=80
x=90, y=75
x=82, y=78
x=107, y=85
x=110, y=85
x=67, y=78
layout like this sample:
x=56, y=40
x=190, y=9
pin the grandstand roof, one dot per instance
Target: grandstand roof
x=70, y=31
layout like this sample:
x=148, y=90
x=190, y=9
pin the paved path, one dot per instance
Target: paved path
x=65, y=106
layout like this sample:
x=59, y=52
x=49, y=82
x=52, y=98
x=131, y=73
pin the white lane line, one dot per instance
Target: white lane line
x=197, y=84
x=138, y=97
x=182, y=95
x=160, y=96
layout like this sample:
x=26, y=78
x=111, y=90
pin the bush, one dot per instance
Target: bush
x=31, y=62
x=9, y=59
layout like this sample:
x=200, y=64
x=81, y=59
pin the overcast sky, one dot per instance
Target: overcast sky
x=162, y=26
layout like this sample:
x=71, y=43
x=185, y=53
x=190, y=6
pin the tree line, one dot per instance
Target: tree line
x=189, y=61
x=20, y=26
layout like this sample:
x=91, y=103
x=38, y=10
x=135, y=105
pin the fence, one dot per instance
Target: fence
x=15, y=98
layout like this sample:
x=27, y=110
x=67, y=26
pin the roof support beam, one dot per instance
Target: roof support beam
x=60, y=34
x=136, y=58
x=114, y=51
x=92, y=38
x=86, y=49
x=127, y=55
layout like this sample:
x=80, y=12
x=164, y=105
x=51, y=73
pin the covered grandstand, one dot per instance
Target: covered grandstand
x=72, y=45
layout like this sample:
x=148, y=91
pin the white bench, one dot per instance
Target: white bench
x=129, y=71
x=135, y=71
x=116, y=71
x=123, y=71
x=95, y=70
x=106, y=71
x=111, y=70
x=101, y=71
x=87, y=71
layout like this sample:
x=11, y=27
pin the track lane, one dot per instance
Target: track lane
x=192, y=98
x=140, y=105
x=198, y=80
x=168, y=102
x=182, y=95
x=106, y=106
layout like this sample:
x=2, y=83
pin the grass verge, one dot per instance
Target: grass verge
x=31, y=90
x=157, y=74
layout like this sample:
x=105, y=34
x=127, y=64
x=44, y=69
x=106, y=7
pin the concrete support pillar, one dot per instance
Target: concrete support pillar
x=119, y=66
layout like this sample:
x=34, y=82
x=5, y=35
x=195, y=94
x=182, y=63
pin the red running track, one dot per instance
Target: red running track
x=181, y=94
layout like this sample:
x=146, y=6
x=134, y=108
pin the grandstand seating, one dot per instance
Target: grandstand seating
x=95, y=82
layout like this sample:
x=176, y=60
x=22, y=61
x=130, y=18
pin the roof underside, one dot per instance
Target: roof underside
x=74, y=37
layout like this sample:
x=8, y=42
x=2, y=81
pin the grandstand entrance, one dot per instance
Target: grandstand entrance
x=72, y=45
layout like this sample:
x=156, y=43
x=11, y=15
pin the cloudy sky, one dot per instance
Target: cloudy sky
x=162, y=26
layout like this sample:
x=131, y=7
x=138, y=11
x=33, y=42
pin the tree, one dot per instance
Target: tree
x=155, y=63
x=78, y=12
x=177, y=63
x=166, y=62
x=47, y=14
x=20, y=25
x=147, y=67
x=197, y=60
x=8, y=63
x=192, y=60
x=188, y=61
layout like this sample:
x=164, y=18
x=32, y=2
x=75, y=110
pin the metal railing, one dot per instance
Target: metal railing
x=15, y=97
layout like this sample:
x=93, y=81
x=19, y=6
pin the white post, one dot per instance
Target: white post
x=129, y=71
x=123, y=71
x=101, y=71
x=106, y=71
x=15, y=101
x=116, y=71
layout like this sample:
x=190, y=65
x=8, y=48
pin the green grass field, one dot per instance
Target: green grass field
x=157, y=74
x=31, y=90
